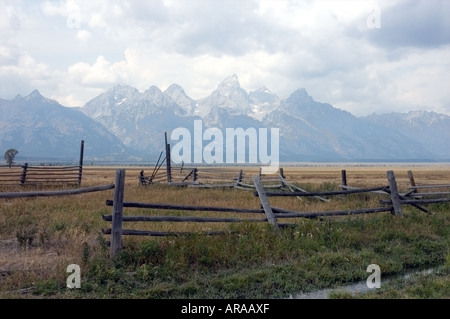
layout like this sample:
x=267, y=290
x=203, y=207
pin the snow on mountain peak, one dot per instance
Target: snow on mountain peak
x=176, y=93
x=232, y=79
x=230, y=82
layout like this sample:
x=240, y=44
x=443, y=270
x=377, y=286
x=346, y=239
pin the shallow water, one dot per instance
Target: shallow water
x=359, y=287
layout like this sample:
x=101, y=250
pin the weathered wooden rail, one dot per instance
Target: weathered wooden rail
x=40, y=175
x=270, y=214
x=117, y=217
x=50, y=175
x=204, y=177
x=265, y=213
x=56, y=193
x=10, y=176
x=411, y=197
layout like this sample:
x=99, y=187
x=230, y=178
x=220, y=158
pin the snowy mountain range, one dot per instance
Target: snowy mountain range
x=127, y=124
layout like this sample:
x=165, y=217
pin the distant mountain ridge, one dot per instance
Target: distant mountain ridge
x=309, y=130
x=42, y=129
x=430, y=129
x=123, y=123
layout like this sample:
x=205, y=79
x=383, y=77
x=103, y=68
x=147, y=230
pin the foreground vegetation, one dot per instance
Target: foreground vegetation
x=432, y=284
x=40, y=237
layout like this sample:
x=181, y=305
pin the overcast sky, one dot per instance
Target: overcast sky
x=360, y=56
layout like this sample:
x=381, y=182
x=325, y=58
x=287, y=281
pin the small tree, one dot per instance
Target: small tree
x=10, y=155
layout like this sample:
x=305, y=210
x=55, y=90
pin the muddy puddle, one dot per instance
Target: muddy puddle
x=359, y=287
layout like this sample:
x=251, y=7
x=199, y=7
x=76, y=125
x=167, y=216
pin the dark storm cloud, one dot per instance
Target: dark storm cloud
x=410, y=23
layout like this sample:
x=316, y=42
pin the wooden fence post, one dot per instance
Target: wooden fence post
x=411, y=178
x=24, y=174
x=395, y=197
x=271, y=218
x=117, y=214
x=80, y=167
x=239, y=178
x=282, y=177
x=194, y=174
x=412, y=181
x=282, y=173
x=344, y=179
x=168, y=168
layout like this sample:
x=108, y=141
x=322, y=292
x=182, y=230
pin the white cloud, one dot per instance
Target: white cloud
x=84, y=35
x=421, y=78
x=75, y=50
x=99, y=74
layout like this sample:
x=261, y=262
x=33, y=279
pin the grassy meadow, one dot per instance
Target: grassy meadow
x=41, y=236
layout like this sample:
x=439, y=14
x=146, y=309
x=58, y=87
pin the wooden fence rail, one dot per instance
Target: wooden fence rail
x=284, y=213
x=117, y=218
x=396, y=199
x=272, y=214
x=48, y=175
x=206, y=178
x=325, y=193
x=411, y=197
x=269, y=213
x=56, y=193
x=10, y=176
x=187, y=207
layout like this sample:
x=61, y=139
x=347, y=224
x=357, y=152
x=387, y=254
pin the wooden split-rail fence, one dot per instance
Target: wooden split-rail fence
x=43, y=175
x=416, y=195
x=206, y=177
x=267, y=212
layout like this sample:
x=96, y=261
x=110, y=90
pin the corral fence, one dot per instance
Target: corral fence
x=267, y=212
x=416, y=195
x=205, y=177
x=43, y=175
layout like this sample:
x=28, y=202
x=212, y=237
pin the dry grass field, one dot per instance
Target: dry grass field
x=41, y=236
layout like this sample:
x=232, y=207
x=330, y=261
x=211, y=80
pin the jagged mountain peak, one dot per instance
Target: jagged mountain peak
x=36, y=97
x=263, y=102
x=263, y=95
x=425, y=115
x=34, y=94
x=116, y=99
x=119, y=94
x=263, y=89
x=230, y=84
x=121, y=88
x=154, y=94
x=231, y=80
x=174, y=88
x=153, y=90
x=176, y=93
x=301, y=95
x=417, y=119
x=298, y=102
x=229, y=96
